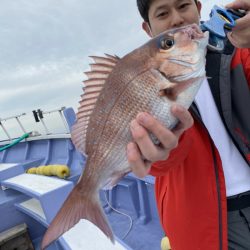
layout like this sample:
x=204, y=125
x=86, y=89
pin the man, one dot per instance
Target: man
x=202, y=167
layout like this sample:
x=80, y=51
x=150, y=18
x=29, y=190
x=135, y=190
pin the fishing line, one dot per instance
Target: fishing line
x=119, y=212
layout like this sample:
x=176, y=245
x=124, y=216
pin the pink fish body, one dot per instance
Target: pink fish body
x=166, y=70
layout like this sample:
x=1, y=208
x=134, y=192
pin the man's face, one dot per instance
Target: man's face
x=167, y=14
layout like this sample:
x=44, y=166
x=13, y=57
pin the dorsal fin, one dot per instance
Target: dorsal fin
x=115, y=58
x=104, y=60
x=93, y=86
x=96, y=74
x=101, y=67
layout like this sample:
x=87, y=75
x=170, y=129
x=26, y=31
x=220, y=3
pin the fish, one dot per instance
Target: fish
x=167, y=69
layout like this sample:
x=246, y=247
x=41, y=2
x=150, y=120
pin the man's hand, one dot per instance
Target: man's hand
x=143, y=152
x=240, y=35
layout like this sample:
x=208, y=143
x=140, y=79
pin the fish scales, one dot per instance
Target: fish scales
x=114, y=131
x=133, y=100
x=118, y=81
x=115, y=134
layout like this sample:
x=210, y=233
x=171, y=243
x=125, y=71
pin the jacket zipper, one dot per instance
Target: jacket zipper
x=218, y=192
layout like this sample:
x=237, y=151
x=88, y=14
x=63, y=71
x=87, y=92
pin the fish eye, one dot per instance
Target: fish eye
x=167, y=43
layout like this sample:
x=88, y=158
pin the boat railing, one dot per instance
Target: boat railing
x=16, y=117
x=37, y=116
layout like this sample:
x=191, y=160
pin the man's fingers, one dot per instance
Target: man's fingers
x=238, y=4
x=243, y=22
x=167, y=139
x=141, y=136
x=142, y=152
x=232, y=39
x=185, y=119
x=139, y=167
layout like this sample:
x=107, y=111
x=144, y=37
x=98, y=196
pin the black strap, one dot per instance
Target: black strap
x=239, y=202
x=213, y=74
x=195, y=111
x=213, y=61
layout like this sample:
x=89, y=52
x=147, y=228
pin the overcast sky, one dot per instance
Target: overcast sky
x=45, y=44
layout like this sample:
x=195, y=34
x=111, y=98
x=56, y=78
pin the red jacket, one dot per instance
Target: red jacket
x=190, y=185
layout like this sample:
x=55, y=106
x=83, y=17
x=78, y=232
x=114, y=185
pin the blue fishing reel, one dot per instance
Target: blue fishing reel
x=221, y=21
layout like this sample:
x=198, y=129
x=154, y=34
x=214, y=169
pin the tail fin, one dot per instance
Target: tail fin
x=77, y=206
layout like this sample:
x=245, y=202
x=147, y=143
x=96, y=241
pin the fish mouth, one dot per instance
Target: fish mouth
x=193, y=31
x=202, y=42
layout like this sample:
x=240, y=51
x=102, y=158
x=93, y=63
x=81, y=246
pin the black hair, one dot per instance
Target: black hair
x=143, y=7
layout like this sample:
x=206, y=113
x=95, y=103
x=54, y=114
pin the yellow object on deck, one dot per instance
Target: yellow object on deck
x=61, y=171
x=165, y=244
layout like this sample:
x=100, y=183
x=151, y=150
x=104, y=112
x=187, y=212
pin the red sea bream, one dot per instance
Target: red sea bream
x=166, y=70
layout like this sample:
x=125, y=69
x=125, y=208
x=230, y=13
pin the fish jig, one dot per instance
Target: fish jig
x=221, y=21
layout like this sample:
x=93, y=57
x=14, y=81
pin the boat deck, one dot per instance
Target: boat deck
x=130, y=206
